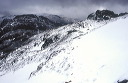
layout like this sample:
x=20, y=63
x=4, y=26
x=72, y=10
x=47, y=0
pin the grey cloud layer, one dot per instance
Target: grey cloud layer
x=73, y=8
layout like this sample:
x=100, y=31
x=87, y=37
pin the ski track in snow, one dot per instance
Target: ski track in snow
x=99, y=57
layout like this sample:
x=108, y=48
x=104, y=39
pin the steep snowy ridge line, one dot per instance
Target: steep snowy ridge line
x=50, y=51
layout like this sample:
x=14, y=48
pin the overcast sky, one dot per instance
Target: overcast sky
x=68, y=8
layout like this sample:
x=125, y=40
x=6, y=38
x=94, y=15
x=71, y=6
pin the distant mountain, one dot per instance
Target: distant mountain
x=59, y=19
x=101, y=15
x=15, y=30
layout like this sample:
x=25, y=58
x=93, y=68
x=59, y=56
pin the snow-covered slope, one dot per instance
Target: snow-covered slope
x=70, y=55
x=15, y=30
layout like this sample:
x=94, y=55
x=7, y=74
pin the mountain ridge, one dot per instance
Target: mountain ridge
x=51, y=51
x=101, y=15
x=15, y=30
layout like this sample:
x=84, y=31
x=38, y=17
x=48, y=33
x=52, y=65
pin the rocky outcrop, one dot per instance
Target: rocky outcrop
x=101, y=15
x=124, y=81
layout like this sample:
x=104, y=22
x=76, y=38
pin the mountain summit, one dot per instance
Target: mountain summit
x=104, y=15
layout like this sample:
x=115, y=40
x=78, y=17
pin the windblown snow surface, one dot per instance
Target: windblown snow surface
x=77, y=53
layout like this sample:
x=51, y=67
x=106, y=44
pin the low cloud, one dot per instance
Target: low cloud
x=68, y=8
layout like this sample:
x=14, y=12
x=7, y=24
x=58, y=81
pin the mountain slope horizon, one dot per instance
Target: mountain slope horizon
x=87, y=51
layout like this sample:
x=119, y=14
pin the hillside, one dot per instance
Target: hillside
x=90, y=51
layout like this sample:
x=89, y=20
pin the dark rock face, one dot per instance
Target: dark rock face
x=124, y=81
x=14, y=32
x=49, y=41
x=104, y=15
x=121, y=14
